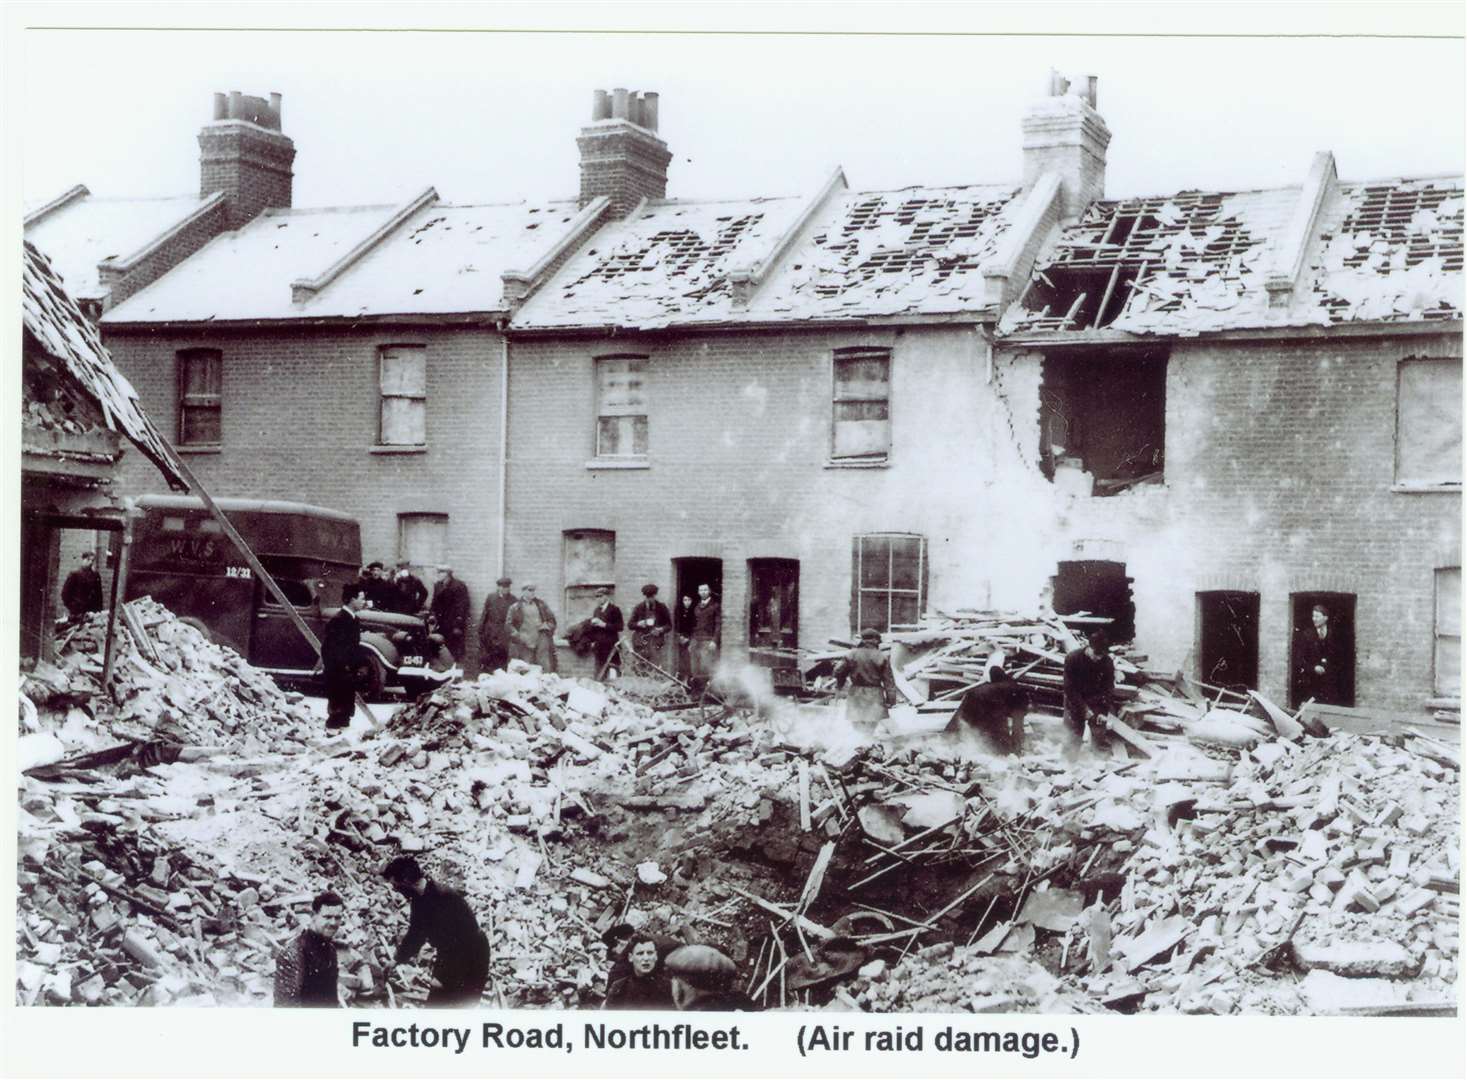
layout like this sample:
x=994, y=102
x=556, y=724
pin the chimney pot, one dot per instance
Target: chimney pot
x=619, y=103
x=601, y=106
x=649, y=110
x=221, y=107
x=236, y=105
x=634, y=109
x=1091, y=83
x=275, y=108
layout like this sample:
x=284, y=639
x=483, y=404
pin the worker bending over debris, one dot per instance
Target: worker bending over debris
x=995, y=711
x=442, y=918
x=873, y=687
x=1090, y=680
x=703, y=981
x=305, y=970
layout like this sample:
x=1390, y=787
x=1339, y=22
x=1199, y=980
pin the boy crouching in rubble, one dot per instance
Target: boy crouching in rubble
x=995, y=711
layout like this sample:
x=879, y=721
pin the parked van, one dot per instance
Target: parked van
x=181, y=557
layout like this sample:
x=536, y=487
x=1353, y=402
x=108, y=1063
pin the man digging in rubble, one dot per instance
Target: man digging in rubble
x=995, y=711
x=305, y=970
x=341, y=644
x=440, y=917
x=873, y=687
x=1090, y=679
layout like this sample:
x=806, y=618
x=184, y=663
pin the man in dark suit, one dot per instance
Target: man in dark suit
x=412, y=594
x=82, y=592
x=493, y=635
x=1321, y=660
x=341, y=645
x=451, y=610
x=606, y=626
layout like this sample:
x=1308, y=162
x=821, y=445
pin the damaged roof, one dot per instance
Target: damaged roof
x=55, y=323
x=439, y=260
x=86, y=229
x=917, y=251
x=1197, y=261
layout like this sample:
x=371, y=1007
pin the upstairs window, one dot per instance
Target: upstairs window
x=861, y=421
x=888, y=580
x=422, y=539
x=200, y=376
x=621, y=406
x=404, y=389
x=1429, y=423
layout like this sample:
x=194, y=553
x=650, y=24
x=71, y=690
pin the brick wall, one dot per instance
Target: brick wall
x=300, y=417
x=250, y=165
x=1278, y=477
x=166, y=256
x=624, y=163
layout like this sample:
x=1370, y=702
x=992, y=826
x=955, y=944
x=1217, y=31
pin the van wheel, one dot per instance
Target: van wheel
x=374, y=677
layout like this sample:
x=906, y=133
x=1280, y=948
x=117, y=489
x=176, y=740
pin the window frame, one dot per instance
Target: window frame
x=837, y=399
x=384, y=396
x=1438, y=635
x=1399, y=481
x=598, y=365
x=582, y=585
x=205, y=402
x=404, y=517
x=860, y=619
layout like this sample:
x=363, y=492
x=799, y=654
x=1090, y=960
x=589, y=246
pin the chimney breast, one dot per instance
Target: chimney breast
x=1064, y=134
x=621, y=155
x=243, y=153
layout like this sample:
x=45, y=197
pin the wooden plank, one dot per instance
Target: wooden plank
x=805, y=824
x=1131, y=735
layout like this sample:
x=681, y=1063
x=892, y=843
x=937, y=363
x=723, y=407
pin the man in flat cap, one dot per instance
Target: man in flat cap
x=530, y=626
x=493, y=634
x=606, y=625
x=703, y=980
x=873, y=687
x=651, y=622
x=412, y=594
x=451, y=610
x=1090, y=680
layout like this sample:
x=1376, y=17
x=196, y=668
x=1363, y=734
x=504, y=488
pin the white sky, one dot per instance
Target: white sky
x=493, y=117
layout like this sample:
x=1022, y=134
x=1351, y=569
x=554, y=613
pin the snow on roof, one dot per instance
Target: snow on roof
x=440, y=260
x=668, y=263
x=86, y=230
x=1200, y=261
x=53, y=319
x=918, y=250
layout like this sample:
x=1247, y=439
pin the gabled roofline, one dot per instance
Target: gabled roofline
x=121, y=265
x=1014, y=260
x=1318, y=186
x=304, y=289
x=66, y=197
x=518, y=285
x=745, y=280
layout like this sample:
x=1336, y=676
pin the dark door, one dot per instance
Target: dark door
x=692, y=571
x=1334, y=653
x=774, y=599
x=1100, y=588
x=1228, y=639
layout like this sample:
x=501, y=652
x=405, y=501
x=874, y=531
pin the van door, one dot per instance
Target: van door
x=277, y=644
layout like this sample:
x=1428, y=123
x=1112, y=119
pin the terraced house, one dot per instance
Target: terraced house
x=1198, y=413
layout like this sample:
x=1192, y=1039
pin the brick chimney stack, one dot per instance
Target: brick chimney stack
x=1064, y=134
x=621, y=155
x=243, y=154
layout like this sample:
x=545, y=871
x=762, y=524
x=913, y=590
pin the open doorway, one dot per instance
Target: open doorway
x=1227, y=646
x=1322, y=657
x=691, y=571
x=1098, y=587
x=774, y=603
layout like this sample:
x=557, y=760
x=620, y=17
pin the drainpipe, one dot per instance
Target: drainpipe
x=503, y=441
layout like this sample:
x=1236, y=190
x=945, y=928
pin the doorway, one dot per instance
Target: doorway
x=1335, y=653
x=1101, y=588
x=690, y=572
x=1227, y=648
x=774, y=600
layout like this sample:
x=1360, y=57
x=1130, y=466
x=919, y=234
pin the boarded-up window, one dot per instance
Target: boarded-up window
x=589, y=562
x=1429, y=423
x=861, y=427
x=404, y=383
x=422, y=539
x=1448, y=664
x=621, y=406
x=200, y=375
x=888, y=580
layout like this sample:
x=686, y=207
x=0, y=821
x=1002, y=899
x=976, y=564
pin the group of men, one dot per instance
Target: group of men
x=403, y=593
x=524, y=629
x=646, y=973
